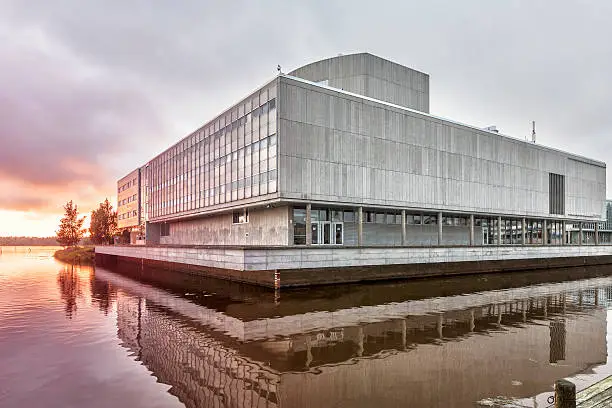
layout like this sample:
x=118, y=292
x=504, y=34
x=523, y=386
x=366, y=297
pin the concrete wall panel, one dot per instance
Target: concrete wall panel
x=371, y=153
x=265, y=227
x=369, y=75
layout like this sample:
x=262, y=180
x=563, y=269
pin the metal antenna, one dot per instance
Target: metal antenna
x=533, y=133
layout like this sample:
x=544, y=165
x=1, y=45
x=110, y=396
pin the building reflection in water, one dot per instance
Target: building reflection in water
x=436, y=351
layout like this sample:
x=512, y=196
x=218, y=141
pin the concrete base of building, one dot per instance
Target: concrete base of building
x=305, y=266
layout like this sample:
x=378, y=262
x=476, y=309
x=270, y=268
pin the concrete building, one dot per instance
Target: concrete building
x=130, y=217
x=343, y=152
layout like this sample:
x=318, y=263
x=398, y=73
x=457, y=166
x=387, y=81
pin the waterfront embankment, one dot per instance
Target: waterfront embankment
x=76, y=255
x=276, y=267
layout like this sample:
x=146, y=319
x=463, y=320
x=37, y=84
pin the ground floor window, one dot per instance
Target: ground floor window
x=299, y=226
x=164, y=229
x=240, y=216
x=384, y=227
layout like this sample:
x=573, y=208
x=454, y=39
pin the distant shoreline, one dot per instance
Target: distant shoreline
x=30, y=245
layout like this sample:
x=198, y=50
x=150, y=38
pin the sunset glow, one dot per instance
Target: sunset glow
x=79, y=110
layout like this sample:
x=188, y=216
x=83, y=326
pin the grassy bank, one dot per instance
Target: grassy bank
x=76, y=255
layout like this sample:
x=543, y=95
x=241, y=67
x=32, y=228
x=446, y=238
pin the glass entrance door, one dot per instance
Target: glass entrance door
x=338, y=233
x=316, y=232
x=327, y=233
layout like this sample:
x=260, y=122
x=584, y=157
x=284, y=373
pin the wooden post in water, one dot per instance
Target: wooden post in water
x=565, y=394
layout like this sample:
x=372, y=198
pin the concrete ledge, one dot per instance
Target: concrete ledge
x=317, y=266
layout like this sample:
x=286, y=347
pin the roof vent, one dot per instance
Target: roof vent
x=491, y=128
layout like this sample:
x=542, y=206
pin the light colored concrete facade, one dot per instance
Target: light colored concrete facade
x=351, y=136
x=341, y=148
x=279, y=259
x=268, y=227
x=128, y=200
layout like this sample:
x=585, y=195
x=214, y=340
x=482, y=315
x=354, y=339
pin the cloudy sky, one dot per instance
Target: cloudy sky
x=89, y=90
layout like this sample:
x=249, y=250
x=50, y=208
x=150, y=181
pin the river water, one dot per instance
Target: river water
x=132, y=337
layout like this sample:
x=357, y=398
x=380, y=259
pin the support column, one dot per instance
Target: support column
x=544, y=233
x=563, y=228
x=403, y=227
x=308, y=224
x=580, y=235
x=499, y=238
x=360, y=226
x=523, y=230
x=403, y=330
x=439, y=228
x=471, y=229
x=308, y=351
x=596, y=233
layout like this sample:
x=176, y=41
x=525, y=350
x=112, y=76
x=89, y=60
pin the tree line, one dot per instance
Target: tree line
x=102, y=228
x=28, y=241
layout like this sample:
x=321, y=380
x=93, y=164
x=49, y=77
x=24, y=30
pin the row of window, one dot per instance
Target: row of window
x=204, y=165
x=189, y=182
x=127, y=215
x=245, y=159
x=127, y=185
x=384, y=217
x=128, y=200
x=252, y=186
x=556, y=193
x=489, y=230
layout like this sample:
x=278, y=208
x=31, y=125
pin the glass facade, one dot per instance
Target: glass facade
x=383, y=227
x=231, y=158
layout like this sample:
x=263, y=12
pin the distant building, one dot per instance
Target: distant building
x=344, y=152
x=130, y=220
x=588, y=229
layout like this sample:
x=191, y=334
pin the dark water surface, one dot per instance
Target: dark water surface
x=79, y=337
